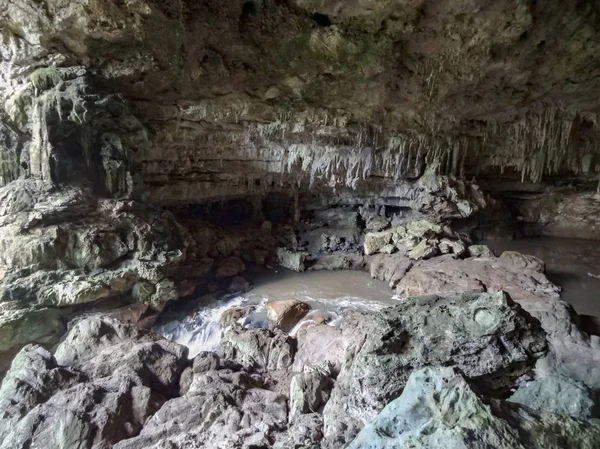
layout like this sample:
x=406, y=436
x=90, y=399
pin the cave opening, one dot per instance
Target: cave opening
x=255, y=225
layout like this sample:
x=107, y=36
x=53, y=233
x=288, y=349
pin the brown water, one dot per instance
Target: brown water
x=333, y=293
x=570, y=263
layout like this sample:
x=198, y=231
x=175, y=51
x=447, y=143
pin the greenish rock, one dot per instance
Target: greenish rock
x=438, y=409
x=556, y=393
x=374, y=241
x=426, y=249
x=423, y=229
x=292, y=260
x=487, y=336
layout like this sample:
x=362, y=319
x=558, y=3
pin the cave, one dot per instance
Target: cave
x=289, y=225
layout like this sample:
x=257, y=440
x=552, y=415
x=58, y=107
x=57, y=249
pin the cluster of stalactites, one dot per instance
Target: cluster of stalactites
x=541, y=143
x=362, y=155
x=537, y=144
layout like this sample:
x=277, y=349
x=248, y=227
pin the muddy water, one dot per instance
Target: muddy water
x=332, y=293
x=571, y=264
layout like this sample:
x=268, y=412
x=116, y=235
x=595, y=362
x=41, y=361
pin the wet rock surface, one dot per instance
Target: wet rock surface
x=322, y=387
x=427, y=415
x=487, y=336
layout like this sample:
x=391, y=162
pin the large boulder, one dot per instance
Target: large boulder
x=438, y=409
x=514, y=260
x=222, y=409
x=100, y=347
x=489, y=337
x=292, y=260
x=285, y=314
x=104, y=382
x=572, y=352
x=390, y=268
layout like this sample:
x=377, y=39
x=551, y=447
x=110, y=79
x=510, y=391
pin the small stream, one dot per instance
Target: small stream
x=329, y=293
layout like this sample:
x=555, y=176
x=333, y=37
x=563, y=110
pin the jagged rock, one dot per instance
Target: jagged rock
x=233, y=315
x=452, y=246
x=47, y=403
x=426, y=249
x=227, y=246
x=310, y=389
x=482, y=251
x=292, y=260
x=389, y=268
x=374, y=241
x=52, y=237
x=334, y=345
x=230, y=267
x=224, y=409
x=421, y=229
x=34, y=378
x=305, y=430
x=516, y=261
x=202, y=363
x=101, y=347
x=572, y=353
x=22, y=326
x=559, y=394
x=438, y=409
x=259, y=349
x=488, y=336
x=285, y=314
x=376, y=224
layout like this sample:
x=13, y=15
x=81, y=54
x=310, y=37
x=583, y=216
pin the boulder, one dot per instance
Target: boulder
x=516, y=261
x=438, y=409
x=239, y=284
x=222, y=409
x=488, y=336
x=389, y=268
x=233, y=315
x=292, y=260
x=374, y=241
x=426, y=249
x=482, y=251
x=421, y=229
x=258, y=349
x=447, y=246
x=339, y=260
x=285, y=314
x=572, y=352
x=106, y=379
x=100, y=347
x=388, y=249
x=558, y=394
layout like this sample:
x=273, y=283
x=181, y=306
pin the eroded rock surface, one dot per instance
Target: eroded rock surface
x=487, y=336
x=428, y=415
